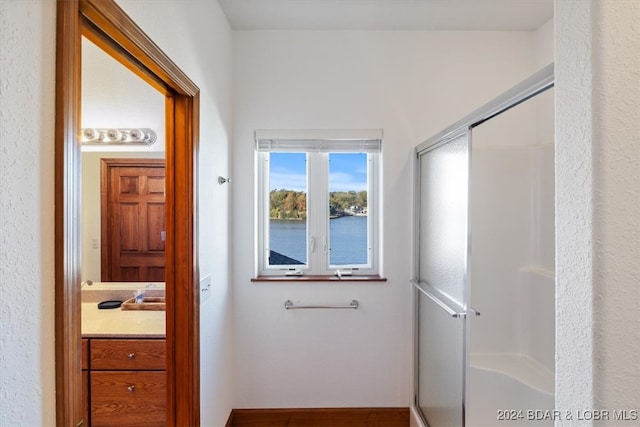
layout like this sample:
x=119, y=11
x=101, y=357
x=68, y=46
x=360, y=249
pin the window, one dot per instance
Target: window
x=318, y=202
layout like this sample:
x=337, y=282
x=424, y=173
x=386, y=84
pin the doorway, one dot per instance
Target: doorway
x=106, y=25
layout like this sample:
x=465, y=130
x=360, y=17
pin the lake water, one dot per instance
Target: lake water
x=347, y=240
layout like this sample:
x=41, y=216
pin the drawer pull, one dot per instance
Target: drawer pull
x=131, y=388
x=131, y=356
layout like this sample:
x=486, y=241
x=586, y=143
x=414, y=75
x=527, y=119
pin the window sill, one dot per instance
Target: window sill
x=310, y=278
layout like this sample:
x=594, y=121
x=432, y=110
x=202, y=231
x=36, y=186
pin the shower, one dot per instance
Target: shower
x=484, y=281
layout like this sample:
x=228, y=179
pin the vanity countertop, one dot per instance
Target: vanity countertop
x=121, y=323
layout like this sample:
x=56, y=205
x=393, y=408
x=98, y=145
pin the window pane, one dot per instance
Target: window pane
x=287, y=209
x=348, y=209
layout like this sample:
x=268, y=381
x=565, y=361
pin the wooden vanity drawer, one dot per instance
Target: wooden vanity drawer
x=123, y=398
x=114, y=354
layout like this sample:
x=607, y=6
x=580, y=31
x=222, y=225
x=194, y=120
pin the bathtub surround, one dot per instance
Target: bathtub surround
x=512, y=342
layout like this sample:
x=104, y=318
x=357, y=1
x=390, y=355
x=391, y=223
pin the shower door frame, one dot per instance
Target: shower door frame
x=534, y=85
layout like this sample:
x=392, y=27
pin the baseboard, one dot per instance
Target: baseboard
x=230, y=419
x=320, y=417
x=415, y=420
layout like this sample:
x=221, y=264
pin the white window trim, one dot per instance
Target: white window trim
x=318, y=147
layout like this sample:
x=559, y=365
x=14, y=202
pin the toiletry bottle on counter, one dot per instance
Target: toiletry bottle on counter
x=138, y=296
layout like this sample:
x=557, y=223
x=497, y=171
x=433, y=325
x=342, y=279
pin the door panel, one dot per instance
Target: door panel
x=443, y=218
x=134, y=215
x=442, y=281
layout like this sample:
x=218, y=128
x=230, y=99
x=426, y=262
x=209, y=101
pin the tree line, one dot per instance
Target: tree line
x=289, y=204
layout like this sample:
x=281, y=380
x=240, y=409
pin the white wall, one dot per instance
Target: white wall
x=197, y=37
x=27, y=64
x=411, y=84
x=617, y=204
x=597, y=206
x=114, y=97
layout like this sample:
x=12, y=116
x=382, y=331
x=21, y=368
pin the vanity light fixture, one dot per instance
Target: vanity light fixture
x=130, y=136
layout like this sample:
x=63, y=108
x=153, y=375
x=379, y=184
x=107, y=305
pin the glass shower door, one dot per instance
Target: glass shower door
x=441, y=286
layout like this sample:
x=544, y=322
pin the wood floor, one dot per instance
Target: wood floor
x=320, y=417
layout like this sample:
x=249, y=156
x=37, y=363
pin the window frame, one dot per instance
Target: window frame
x=318, y=222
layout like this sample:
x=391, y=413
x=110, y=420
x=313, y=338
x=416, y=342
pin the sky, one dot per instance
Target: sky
x=347, y=171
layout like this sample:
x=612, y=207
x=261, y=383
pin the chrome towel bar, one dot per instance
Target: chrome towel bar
x=288, y=305
x=424, y=289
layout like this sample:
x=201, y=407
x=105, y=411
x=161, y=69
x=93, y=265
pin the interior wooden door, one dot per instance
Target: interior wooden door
x=133, y=220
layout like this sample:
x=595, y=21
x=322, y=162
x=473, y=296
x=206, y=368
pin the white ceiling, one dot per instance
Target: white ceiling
x=387, y=14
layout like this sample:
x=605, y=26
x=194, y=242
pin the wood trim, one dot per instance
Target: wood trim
x=229, y=422
x=98, y=38
x=320, y=417
x=183, y=334
x=126, y=42
x=110, y=19
x=68, y=350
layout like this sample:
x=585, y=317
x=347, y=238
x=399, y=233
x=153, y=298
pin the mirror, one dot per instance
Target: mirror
x=122, y=238
x=107, y=25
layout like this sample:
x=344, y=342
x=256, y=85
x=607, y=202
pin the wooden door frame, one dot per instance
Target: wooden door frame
x=107, y=25
x=106, y=254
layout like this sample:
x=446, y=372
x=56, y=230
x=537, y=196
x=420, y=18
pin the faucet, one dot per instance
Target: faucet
x=86, y=282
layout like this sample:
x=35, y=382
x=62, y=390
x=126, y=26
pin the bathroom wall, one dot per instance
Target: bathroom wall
x=197, y=37
x=597, y=206
x=412, y=85
x=27, y=379
x=114, y=97
x=27, y=107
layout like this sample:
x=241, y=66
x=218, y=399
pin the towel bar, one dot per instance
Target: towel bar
x=288, y=305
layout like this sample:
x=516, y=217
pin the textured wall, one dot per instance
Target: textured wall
x=574, y=187
x=598, y=206
x=27, y=382
x=616, y=149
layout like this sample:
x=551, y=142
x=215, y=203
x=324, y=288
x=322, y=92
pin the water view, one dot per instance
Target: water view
x=347, y=202
x=347, y=240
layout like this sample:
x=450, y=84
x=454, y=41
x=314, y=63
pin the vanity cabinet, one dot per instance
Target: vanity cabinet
x=85, y=380
x=127, y=382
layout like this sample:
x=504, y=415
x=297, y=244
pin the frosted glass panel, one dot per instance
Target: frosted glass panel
x=443, y=217
x=440, y=365
x=442, y=265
